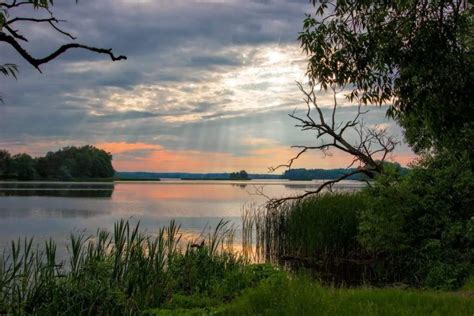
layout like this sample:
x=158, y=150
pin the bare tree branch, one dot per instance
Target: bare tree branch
x=37, y=62
x=370, y=151
x=11, y=36
x=274, y=203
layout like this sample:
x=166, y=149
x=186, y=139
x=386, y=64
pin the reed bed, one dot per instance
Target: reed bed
x=123, y=272
x=318, y=233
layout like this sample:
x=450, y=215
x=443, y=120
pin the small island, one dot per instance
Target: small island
x=241, y=175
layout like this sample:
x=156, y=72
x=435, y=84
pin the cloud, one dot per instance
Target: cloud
x=206, y=84
x=258, y=142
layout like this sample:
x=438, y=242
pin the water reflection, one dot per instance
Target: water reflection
x=59, y=189
x=59, y=193
x=55, y=210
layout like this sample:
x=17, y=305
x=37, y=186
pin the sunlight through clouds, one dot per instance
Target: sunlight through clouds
x=264, y=80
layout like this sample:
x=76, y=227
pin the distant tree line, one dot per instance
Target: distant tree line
x=328, y=174
x=69, y=163
x=320, y=174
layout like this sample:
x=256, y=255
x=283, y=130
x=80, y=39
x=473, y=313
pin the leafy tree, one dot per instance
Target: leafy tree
x=23, y=167
x=5, y=161
x=76, y=162
x=414, y=55
x=69, y=163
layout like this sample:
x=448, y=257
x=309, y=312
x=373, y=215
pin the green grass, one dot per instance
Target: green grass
x=300, y=296
x=124, y=272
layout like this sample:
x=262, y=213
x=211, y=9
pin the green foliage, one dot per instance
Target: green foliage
x=69, y=163
x=301, y=296
x=76, y=162
x=421, y=226
x=318, y=233
x=415, y=55
x=320, y=174
x=23, y=167
x=325, y=226
x=5, y=160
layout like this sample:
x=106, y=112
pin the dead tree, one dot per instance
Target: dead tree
x=371, y=149
x=9, y=34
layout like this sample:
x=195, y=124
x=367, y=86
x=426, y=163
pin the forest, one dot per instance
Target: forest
x=67, y=164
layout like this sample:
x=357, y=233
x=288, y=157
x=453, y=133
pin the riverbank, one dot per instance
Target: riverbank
x=128, y=271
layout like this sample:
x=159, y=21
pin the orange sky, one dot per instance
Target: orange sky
x=156, y=158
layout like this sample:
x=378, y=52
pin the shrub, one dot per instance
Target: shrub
x=420, y=227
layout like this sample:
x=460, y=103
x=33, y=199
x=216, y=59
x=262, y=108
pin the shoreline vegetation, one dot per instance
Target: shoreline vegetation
x=127, y=271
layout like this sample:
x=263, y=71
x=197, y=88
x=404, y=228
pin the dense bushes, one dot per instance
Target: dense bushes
x=420, y=227
x=416, y=229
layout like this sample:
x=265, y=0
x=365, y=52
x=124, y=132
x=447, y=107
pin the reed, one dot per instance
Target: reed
x=318, y=232
x=123, y=272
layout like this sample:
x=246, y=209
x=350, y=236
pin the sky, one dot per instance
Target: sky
x=207, y=87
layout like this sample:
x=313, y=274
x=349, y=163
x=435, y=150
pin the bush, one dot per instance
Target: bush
x=420, y=227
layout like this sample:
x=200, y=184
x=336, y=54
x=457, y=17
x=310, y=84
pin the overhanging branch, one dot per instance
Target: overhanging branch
x=37, y=62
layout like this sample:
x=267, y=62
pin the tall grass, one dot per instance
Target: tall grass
x=318, y=232
x=123, y=272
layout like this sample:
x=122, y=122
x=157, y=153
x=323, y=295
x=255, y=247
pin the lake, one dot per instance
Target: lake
x=55, y=209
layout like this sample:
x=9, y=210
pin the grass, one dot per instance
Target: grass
x=123, y=272
x=301, y=296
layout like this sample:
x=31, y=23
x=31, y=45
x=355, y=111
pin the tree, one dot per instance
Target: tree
x=76, y=163
x=241, y=175
x=414, y=55
x=5, y=161
x=23, y=167
x=371, y=148
x=11, y=15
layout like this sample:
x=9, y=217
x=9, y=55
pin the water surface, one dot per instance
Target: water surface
x=55, y=209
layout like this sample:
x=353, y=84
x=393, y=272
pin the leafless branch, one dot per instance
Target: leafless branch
x=370, y=150
x=11, y=36
x=274, y=203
